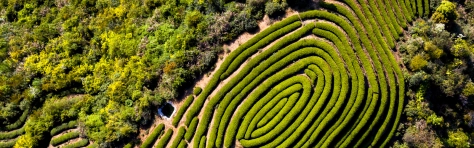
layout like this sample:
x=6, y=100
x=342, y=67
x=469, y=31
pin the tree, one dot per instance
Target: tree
x=445, y=13
x=24, y=141
x=418, y=62
x=274, y=9
x=420, y=135
x=468, y=89
x=458, y=139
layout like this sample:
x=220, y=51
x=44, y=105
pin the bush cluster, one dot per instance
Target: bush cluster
x=274, y=8
x=391, y=79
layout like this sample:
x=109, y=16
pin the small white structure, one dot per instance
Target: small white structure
x=163, y=115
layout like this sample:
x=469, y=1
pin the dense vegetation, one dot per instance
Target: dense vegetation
x=366, y=73
x=438, y=54
x=119, y=60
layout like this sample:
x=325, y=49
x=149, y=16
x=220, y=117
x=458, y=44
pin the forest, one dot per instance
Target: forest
x=93, y=73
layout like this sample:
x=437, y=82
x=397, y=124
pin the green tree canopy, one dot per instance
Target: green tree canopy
x=445, y=13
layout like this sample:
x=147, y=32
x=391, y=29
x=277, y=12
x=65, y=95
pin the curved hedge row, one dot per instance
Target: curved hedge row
x=18, y=123
x=372, y=53
x=196, y=108
x=405, y=11
x=12, y=134
x=65, y=126
x=182, y=110
x=265, y=41
x=412, y=11
x=413, y=7
x=356, y=97
x=191, y=129
x=8, y=144
x=153, y=136
x=128, y=145
x=391, y=15
x=251, y=79
x=202, y=143
x=273, y=112
x=63, y=138
x=426, y=8
x=197, y=91
x=390, y=77
x=398, y=12
x=95, y=145
x=178, y=138
x=165, y=139
x=81, y=143
x=258, y=110
x=182, y=144
x=335, y=35
x=419, y=4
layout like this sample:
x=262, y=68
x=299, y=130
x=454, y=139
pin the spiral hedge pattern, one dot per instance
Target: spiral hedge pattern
x=322, y=78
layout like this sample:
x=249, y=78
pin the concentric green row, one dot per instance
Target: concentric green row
x=321, y=84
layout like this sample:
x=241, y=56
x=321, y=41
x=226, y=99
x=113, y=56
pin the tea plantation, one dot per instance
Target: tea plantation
x=320, y=78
